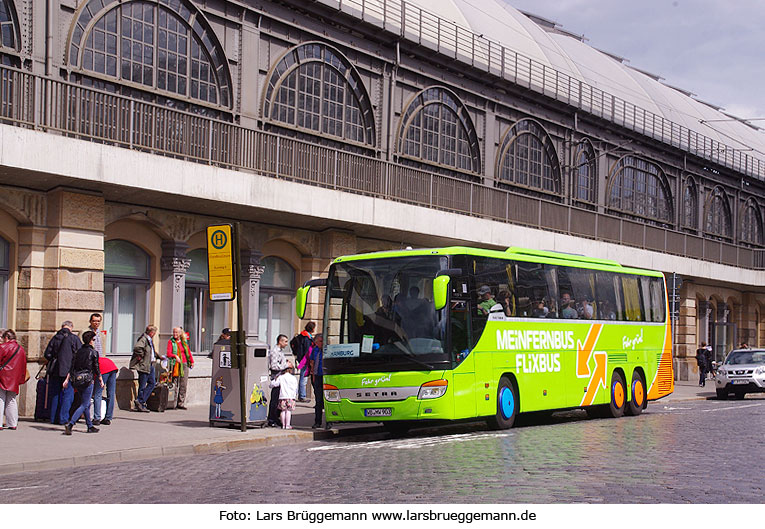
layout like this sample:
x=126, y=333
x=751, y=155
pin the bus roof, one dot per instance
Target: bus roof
x=514, y=252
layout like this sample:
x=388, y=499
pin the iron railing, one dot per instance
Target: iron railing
x=428, y=30
x=56, y=106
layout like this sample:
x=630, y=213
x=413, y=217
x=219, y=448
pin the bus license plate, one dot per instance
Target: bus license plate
x=378, y=412
x=741, y=382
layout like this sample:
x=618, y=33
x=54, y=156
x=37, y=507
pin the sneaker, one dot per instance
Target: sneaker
x=180, y=407
x=316, y=426
x=93, y=429
x=97, y=422
x=105, y=422
x=11, y=427
x=67, y=429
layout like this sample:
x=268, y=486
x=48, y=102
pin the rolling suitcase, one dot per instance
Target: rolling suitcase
x=42, y=406
x=157, y=401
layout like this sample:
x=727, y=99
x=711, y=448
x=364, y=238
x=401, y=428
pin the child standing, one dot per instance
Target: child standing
x=288, y=386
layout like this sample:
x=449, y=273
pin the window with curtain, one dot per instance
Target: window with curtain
x=202, y=319
x=277, y=300
x=528, y=158
x=126, y=295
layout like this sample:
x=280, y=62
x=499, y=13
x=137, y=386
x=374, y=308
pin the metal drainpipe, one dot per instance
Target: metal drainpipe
x=391, y=95
x=49, y=39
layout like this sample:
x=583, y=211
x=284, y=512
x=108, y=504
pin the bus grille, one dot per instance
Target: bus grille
x=617, y=357
x=664, y=378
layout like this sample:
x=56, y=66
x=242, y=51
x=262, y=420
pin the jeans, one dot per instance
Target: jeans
x=318, y=389
x=146, y=383
x=110, y=386
x=702, y=376
x=60, y=399
x=273, y=407
x=303, y=381
x=9, y=408
x=87, y=393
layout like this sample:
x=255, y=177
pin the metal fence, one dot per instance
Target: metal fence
x=426, y=29
x=58, y=107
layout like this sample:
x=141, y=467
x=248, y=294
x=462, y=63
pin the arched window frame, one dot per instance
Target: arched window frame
x=89, y=14
x=585, y=173
x=337, y=77
x=517, y=149
x=10, y=34
x=690, y=219
x=456, y=141
x=649, y=199
x=751, y=223
x=113, y=283
x=718, y=220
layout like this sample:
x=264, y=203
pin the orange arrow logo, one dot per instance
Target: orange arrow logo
x=583, y=352
x=598, y=378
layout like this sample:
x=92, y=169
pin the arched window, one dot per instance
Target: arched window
x=315, y=87
x=436, y=127
x=202, y=318
x=527, y=158
x=126, y=295
x=751, y=223
x=690, y=205
x=585, y=173
x=640, y=187
x=163, y=45
x=718, y=214
x=9, y=33
x=277, y=299
x=5, y=272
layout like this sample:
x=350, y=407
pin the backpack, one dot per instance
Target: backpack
x=297, y=347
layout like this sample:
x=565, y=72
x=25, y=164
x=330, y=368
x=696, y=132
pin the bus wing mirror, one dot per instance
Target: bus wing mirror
x=440, y=291
x=301, y=297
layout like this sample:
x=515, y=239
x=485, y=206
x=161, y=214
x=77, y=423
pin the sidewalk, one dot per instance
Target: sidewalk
x=134, y=436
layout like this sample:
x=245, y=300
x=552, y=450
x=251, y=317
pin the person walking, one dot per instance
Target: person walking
x=109, y=375
x=179, y=351
x=144, y=355
x=83, y=374
x=13, y=370
x=301, y=349
x=317, y=379
x=277, y=364
x=702, y=361
x=59, y=354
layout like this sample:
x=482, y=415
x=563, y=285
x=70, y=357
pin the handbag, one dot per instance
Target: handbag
x=82, y=379
x=26, y=376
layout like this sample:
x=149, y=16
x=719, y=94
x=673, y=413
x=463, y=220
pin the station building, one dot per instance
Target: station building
x=333, y=127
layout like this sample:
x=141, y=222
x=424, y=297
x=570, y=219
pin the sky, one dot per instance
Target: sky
x=713, y=48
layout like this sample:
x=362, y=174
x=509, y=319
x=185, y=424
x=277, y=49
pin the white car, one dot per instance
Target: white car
x=742, y=372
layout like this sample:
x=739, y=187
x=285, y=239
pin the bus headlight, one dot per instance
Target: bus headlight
x=331, y=393
x=432, y=389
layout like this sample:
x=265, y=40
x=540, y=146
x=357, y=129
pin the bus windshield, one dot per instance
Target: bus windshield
x=382, y=318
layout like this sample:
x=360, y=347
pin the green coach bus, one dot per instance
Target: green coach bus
x=459, y=333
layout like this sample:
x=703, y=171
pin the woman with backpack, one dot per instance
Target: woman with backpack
x=83, y=373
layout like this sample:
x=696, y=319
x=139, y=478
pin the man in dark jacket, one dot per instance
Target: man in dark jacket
x=59, y=354
x=144, y=355
x=702, y=361
x=302, y=346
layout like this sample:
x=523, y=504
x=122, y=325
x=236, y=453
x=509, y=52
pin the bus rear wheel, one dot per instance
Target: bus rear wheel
x=637, y=400
x=618, y=395
x=507, y=405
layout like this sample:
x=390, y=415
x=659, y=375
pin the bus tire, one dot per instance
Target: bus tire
x=636, y=403
x=507, y=405
x=618, y=395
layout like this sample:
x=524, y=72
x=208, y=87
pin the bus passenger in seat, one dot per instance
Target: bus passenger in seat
x=486, y=300
x=569, y=310
x=588, y=311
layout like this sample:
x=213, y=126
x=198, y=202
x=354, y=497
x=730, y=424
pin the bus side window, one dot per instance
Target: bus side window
x=532, y=296
x=605, y=295
x=657, y=299
x=631, y=291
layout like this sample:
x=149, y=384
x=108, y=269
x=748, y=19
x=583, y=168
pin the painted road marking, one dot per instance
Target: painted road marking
x=420, y=442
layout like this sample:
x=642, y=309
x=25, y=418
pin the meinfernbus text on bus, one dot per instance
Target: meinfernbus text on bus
x=459, y=333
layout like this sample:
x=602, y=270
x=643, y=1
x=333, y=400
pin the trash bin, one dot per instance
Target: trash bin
x=225, y=401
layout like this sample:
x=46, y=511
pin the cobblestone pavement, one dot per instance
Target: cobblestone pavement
x=687, y=452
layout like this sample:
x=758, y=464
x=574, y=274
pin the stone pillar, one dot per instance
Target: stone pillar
x=686, y=336
x=174, y=265
x=252, y=270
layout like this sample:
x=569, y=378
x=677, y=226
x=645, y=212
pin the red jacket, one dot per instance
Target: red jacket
x=184, y=352
x=12, y=375
x=105, y=365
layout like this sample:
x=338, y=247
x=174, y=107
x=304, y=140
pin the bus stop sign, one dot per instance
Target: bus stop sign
x=220, y=262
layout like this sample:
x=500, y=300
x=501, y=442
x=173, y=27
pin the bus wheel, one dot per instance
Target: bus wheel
x=637, y=402
x=618, y=395
x=507, y=405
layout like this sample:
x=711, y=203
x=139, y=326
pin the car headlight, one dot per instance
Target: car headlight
x=331, y=393
x=721, y=372
x=432, y=389
x=760, y=370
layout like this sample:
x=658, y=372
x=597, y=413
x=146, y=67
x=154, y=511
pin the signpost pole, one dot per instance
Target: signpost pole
x=241, y=346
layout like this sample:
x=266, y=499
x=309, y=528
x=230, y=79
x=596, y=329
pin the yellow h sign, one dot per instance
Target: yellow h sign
x=220, y=262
